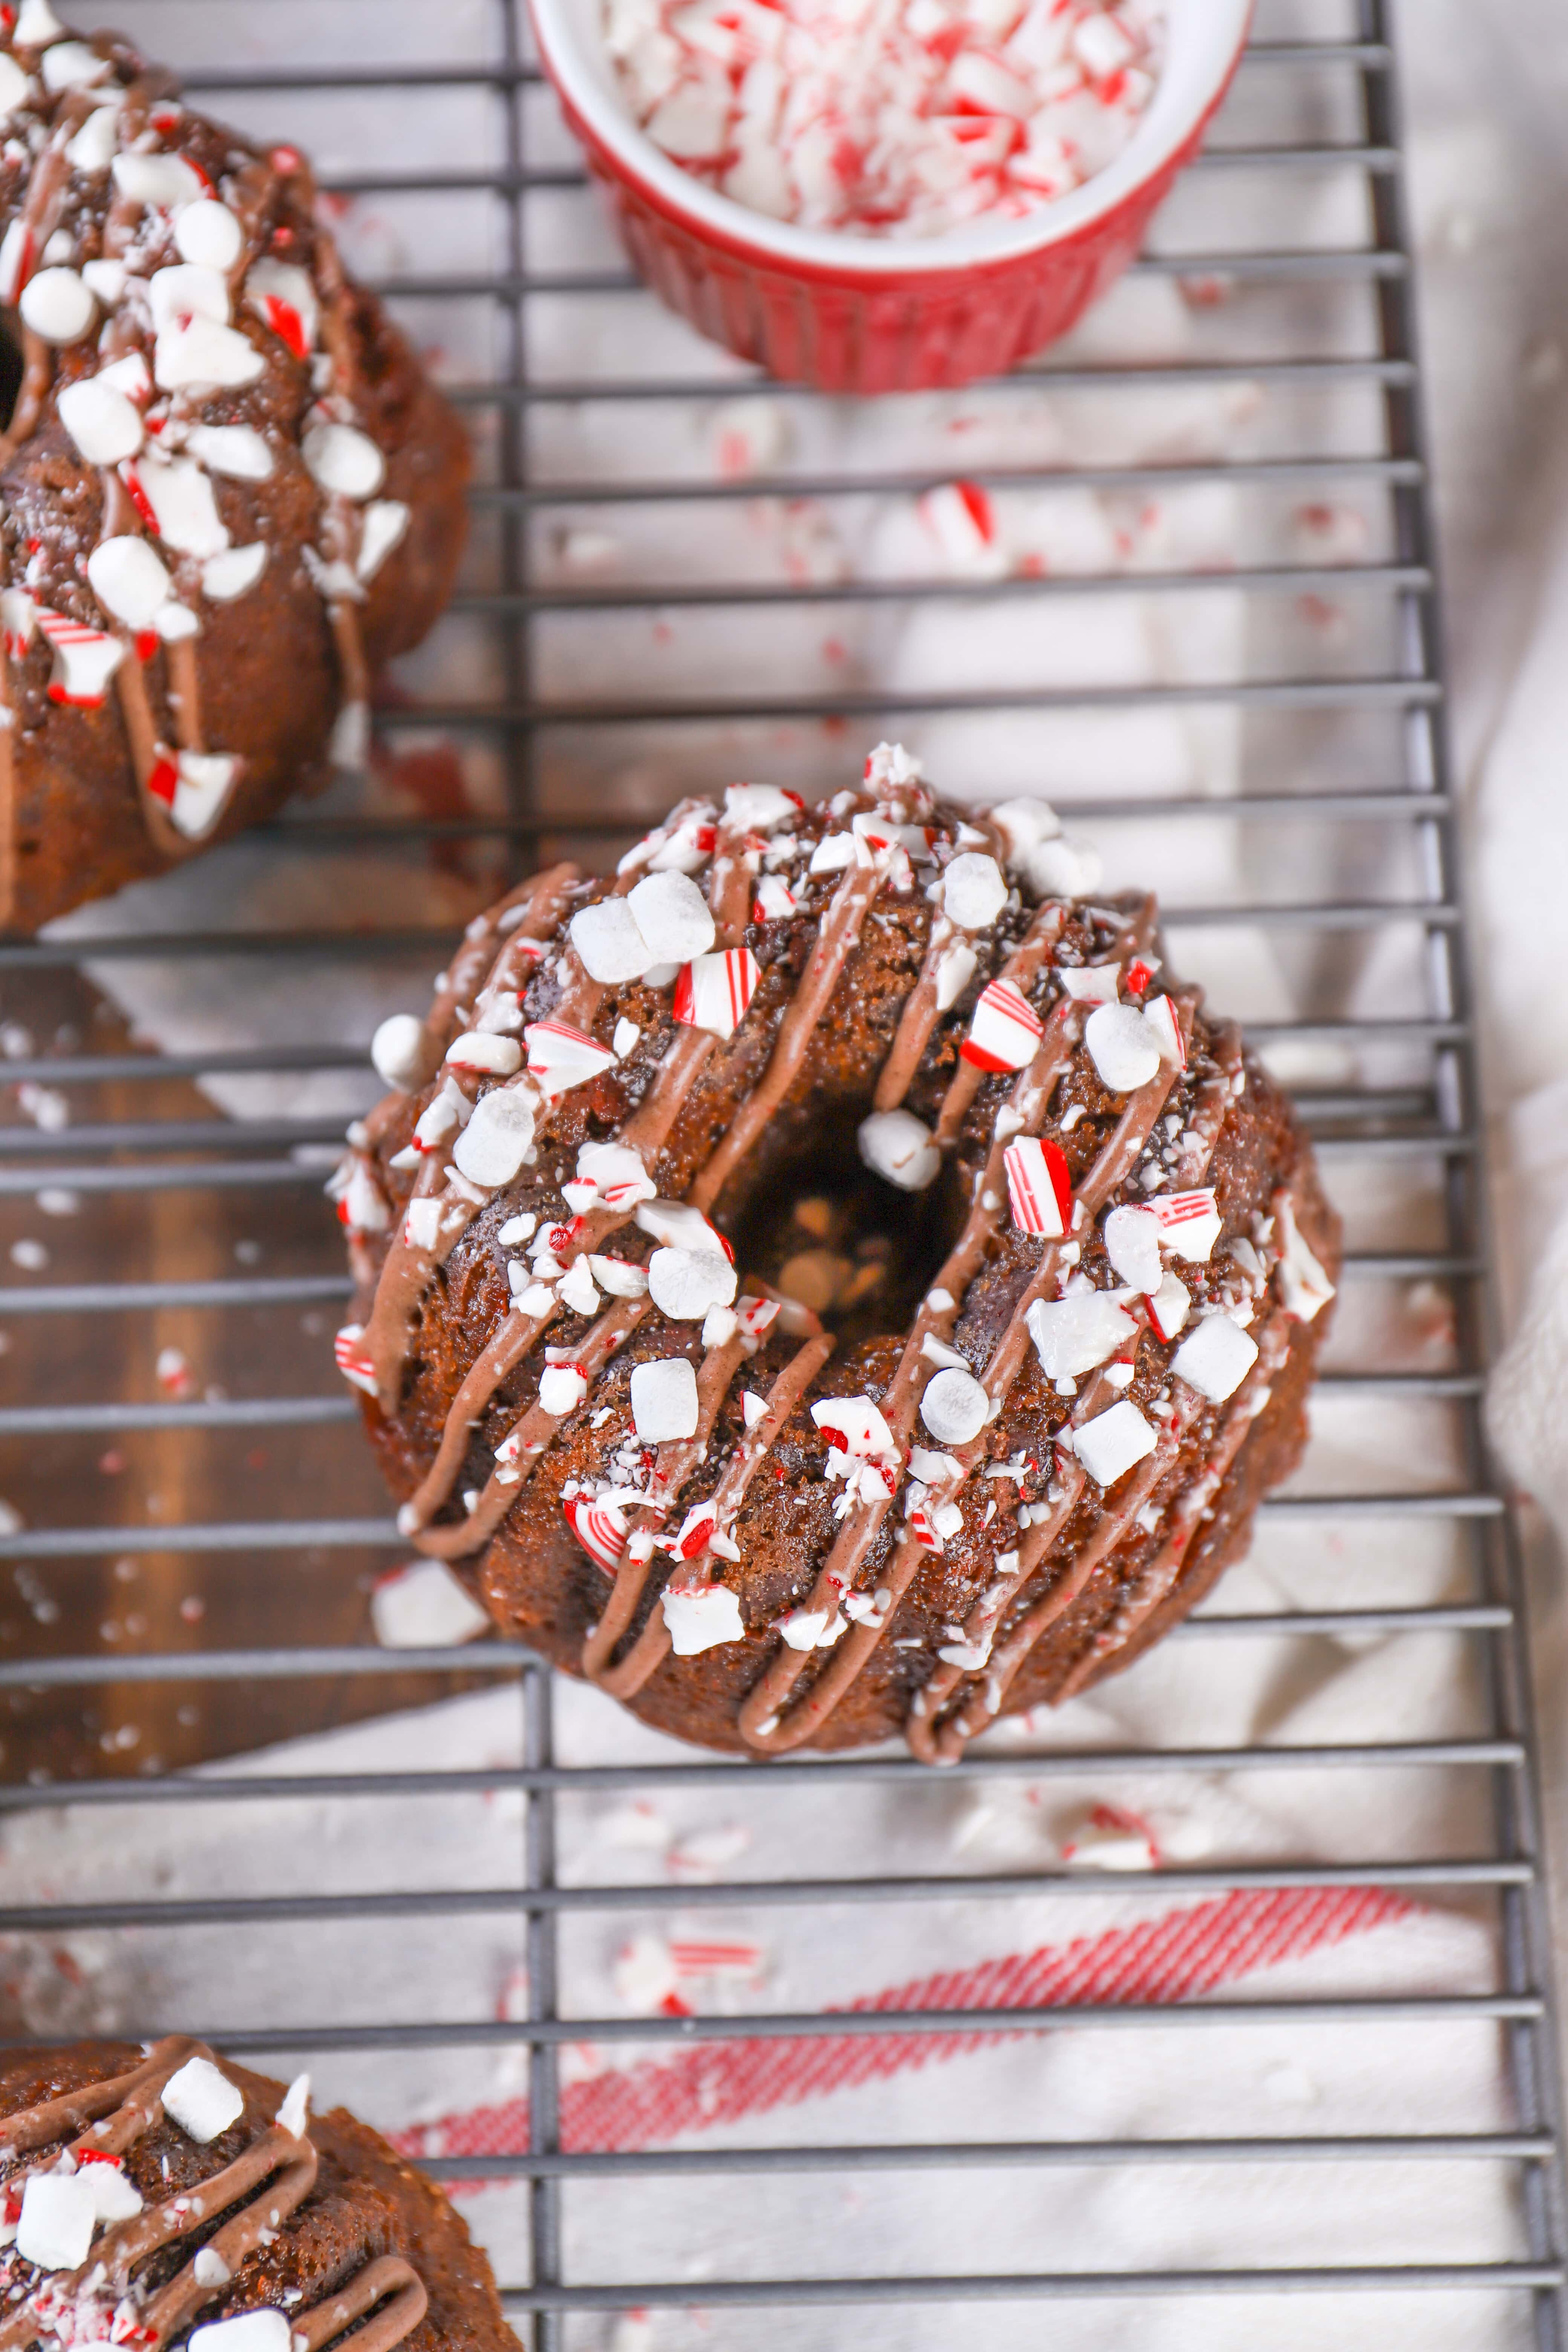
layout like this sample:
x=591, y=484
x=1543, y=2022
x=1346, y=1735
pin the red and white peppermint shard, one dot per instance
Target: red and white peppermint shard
x=696, y=1532
x=85, y=661
x=562, y=1057
x=755, y=1315
x=1160, y=1015
x=713, y=991
x=601, y=1530
x=352, y=1360
x=19, y=618
x=1189, y=1222
x=1039, y=1188
x=1006, y=1032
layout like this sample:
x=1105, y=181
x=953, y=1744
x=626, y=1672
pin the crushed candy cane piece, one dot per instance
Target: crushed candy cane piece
x=1077, y=1334
x=1132, y=1238
x=85, y=661
x=856, y=1423
x=898, y=1146
x=1304, y=1286
x=701, y=1619
x=961, y=521
x=1040, y=1187
x=1109, y=1445
x=57, y=2219
x=1170, y=1306
x=600, y=1528
x=103, y=423
x=685, y=1284
x=201, y=2100
x=1006, y=1030
x=713, y=992
x=1162, y=1018
x=354, y=1360
x=1189, y=1224
x=672, y=915
x=562, y=1057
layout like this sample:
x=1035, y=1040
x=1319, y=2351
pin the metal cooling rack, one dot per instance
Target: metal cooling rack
x=225, y=1606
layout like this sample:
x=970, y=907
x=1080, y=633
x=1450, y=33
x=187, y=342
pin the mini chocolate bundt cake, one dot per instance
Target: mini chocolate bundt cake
x=227, y=490
x=826, y=1281
x=160, y=2195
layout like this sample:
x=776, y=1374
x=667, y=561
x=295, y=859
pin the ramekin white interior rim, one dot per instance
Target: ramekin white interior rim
x=1203, y=39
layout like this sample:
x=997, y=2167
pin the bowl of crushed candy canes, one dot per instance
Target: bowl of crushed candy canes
x=886, y=195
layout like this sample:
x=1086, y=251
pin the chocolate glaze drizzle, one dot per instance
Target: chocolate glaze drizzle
x=1040, y=1578
x=256, y=2192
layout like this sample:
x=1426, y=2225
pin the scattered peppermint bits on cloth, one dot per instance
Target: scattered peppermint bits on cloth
x=895, y=117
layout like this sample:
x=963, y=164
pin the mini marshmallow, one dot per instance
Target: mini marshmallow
x=15, y=88
x=200, y=350
x=973, y=891
x=685, y=1284
x=201, y=2100
x=92, y=151
x=1024, y=825
x=954, y=1407
x=58, y=305
x=485, y=1052
x=611, y=947
x=185, y=290
x=1108, y=1445
x=127, y=578
x=58, y=2216
x=895, y=1145
x=237, y=450
x=165, y=181
x=561, y=1388
x=115, y=2197
x=856, y=1423
x=1215, y=1357
x=673, y=917
x=1122, y=1047
x=497, y=1140
x=344, y=460
x=104, y=425
x=1076, y=1335
x=423, y=1607
x=207, y=233
x=703, y=1619
x=263, y=2330
x=664, y=1399
x=1062, y=868
x=1132, y=1238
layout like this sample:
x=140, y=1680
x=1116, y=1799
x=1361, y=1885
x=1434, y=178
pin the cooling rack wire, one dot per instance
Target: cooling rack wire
x=680, y=574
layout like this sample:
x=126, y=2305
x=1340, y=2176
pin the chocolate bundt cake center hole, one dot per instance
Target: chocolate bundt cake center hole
x=861, y=1254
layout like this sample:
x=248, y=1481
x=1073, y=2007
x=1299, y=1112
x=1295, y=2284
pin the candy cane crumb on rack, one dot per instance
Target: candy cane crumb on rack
x=1078, y=1099
x=94, y=2253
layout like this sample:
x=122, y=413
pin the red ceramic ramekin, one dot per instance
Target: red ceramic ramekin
x=870, y=314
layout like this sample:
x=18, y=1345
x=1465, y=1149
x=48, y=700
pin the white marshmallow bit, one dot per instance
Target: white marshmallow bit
x=954, y=1407
x=59, y=2214
x=954, y=974
x=254, y=2331
x=703, y=1619
x=15, y=88
x=130, y=374
x=93, y=149
x=201, y=2100
x=344, y=460
x=1216, y=1358
x=857, y=1425
x=895, y=1145
x=673, y=917
x=1122, y=1047
x=422, y=1607
x=57, y=304
x=165, y=181
x=1108, y=1445
x=71, y=65
x=174, y=621
x=237, y=450
x=609, y=943
x=685, y=1284
x=184, y=290
x=1132, y=1239
x=107, y=279
x=482, y=1050
x=973, y=891
x=1024, y=825
x=383, y=527
x=37, y=26
x=1076, y=1335
x=103, y=424
x=497, y=1140
x=234, y=573
x=1063, y=868
x=128, y=579
x=664, y=1399
x=207, y=233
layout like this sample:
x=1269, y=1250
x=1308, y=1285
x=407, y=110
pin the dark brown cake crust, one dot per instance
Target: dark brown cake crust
x=82, y=808
x=366, y=2203
x=535, y=1574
